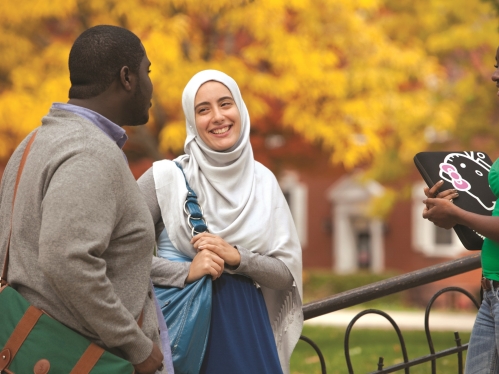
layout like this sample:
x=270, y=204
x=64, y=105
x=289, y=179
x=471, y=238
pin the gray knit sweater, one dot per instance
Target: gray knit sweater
x=82, y=236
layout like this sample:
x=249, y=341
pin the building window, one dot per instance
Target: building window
x=427, y=238
x=362, y=235
x=364, y=250
x=295, y=194
x=287, y=196
x=443, y=236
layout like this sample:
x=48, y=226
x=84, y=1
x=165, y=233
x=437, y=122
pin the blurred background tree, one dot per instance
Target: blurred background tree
x=369, y=82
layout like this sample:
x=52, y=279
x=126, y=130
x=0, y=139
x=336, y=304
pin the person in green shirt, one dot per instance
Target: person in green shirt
x=483, y=356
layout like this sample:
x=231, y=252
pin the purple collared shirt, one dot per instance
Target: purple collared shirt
x=111, y=129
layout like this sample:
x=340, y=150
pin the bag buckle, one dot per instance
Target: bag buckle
x=4, y=358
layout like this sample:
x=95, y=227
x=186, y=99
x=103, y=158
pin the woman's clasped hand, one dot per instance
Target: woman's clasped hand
x=205, y=263
x=215, y=244
x=213, y=254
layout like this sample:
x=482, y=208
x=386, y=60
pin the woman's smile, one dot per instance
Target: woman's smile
x=221, y=130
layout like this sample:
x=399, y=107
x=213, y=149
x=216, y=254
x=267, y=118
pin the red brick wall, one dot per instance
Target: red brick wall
x=140, y=167
x=318, y=251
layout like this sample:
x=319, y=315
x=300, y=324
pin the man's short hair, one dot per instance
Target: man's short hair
x=97, y=57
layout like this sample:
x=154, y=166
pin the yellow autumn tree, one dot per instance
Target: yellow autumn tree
x=461, y=36
x=371, y=81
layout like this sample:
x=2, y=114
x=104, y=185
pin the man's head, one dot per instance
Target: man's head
x=109, y=58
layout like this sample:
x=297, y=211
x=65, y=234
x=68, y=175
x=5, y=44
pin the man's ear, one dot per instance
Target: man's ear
x=125, y=78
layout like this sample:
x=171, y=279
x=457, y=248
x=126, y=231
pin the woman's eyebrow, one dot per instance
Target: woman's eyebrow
x=219, y=100
x=203, y=103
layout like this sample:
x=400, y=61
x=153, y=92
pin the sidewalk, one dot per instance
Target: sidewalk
x=439, y=321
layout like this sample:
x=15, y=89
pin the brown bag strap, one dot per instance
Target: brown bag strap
x=88, y=359
x=20, y=333
x=3, y=279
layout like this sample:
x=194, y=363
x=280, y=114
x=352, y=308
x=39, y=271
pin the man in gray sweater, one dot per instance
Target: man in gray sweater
x=82, y=235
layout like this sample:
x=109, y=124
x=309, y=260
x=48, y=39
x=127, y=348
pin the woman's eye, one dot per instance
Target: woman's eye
x=496, y=66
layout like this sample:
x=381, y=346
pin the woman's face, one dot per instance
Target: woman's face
x=495, y=76
x=217, y=117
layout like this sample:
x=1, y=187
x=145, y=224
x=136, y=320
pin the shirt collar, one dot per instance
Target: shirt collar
x=112, y=130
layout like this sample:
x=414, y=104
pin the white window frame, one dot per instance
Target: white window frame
x=298, y=196
x=350, y=198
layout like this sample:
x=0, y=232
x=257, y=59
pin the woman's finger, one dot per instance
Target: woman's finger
x=213, y=273
x=451, y=197
x=430, y=201
x=448, y=194
x=218, y=270
x=425, y=212
x=201, y=243
x=217, y=259
x=210, y=247
x=433, y=191
x=216, y=266
x=195, y=238
x=214, y=258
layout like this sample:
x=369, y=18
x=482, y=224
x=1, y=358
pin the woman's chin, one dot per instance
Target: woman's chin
x=221, y=146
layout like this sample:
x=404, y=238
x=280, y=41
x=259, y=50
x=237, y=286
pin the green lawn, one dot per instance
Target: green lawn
x=366, y=346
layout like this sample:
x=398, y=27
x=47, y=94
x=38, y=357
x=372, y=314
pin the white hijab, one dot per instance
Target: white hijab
x=242, y=203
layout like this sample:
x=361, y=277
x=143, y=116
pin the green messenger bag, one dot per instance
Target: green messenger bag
x=33, y=342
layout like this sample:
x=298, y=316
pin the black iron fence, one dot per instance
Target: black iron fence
x=390, y=286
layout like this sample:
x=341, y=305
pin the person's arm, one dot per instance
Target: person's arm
x=169, y=273
x=148, y=189
x=265, y=270
x=445, y=214
x=177, y=274
x=79, y=213
x=163, y=272
x=488, y=226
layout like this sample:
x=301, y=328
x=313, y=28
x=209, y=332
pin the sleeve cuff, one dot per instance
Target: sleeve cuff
x=138, y=350
x=243, y=265
x=169, y=273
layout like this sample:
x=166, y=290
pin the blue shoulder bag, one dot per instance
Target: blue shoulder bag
x=187, y=311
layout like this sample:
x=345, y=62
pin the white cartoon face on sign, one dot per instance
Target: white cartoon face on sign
x=467, y=172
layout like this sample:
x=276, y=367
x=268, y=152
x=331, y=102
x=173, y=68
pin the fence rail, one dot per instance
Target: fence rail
x=390, y=286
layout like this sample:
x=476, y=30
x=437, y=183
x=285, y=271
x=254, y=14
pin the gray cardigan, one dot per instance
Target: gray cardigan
x=266, y=271
x=82, y=237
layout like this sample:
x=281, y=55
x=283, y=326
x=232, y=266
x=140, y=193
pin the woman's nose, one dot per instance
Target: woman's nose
x=217, y=115
x=495, y=75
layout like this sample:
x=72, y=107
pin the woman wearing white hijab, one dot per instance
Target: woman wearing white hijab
x=251, y=242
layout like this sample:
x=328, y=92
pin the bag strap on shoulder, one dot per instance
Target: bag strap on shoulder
x=197, y=223
x=3, y=279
